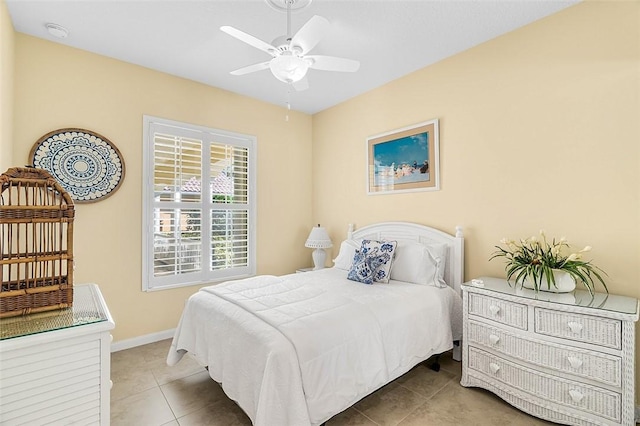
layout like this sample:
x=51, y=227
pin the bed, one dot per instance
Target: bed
x=301, y=348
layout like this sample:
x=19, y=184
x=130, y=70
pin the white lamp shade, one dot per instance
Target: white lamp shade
x=318, y=238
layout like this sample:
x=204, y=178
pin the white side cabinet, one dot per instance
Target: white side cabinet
x=568, y=358
x=55, y=366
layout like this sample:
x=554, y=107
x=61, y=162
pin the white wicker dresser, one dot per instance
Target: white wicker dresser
x=567, y=358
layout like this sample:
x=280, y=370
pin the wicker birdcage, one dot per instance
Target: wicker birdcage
x=36, y=243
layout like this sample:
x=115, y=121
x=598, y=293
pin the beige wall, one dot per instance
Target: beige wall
x=539, y=129
x=6, y=87
x=58, y=86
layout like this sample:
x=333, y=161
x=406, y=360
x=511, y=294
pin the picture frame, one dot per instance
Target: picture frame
x=404, y=160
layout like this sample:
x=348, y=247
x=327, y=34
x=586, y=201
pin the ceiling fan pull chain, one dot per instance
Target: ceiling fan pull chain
x=286, y=117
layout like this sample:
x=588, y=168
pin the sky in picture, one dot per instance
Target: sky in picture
x=405, y=150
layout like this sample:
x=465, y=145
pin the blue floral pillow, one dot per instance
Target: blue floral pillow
x=372, y=262
x=360, y=269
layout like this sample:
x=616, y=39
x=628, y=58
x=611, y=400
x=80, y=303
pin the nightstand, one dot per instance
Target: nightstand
x=567, y=357
x=301, y=270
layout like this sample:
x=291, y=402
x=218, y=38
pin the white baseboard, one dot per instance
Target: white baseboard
x=142, y=340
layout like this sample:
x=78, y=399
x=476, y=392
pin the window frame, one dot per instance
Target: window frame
x=208, y=136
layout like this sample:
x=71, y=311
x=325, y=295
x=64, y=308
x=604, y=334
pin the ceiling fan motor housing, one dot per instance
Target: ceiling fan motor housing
x=282, y=43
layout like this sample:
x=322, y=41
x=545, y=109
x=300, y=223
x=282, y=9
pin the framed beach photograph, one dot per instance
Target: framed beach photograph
x=404, y=160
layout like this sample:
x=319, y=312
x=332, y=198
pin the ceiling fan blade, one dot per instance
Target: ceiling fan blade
x=332, y=63
x=310, y=34
x=301, y=85
x=252, y=68
x=250, y=40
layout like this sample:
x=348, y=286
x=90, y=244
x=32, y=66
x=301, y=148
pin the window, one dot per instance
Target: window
x=198, y=204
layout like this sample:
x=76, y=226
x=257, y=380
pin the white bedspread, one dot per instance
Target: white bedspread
x=298, y=349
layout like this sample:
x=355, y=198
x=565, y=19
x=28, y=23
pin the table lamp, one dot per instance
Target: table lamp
x=319, y=240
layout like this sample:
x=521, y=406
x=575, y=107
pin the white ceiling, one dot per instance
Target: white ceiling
x=182, y=37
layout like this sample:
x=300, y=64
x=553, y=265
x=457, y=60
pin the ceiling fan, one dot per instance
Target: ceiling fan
x=290, y=59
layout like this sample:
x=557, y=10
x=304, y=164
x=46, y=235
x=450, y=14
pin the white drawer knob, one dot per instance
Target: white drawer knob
x=575, y=327
x=494, y=367
x=494, y=309
x=494, y=339
x=575, y=362
x=576, y=395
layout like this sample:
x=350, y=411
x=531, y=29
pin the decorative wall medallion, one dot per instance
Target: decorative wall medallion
x=86, y=164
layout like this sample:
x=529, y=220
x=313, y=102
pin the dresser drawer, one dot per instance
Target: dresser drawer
x=501, y=311
x=606, y=369
x=581, y=328
x=569, y=393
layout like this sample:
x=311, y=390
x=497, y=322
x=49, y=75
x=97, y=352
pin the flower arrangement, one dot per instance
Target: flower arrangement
x=535, y=259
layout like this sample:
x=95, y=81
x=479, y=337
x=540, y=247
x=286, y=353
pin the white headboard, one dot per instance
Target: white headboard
x=454, y=269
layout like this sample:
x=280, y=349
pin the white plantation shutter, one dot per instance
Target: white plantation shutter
x=199, y=204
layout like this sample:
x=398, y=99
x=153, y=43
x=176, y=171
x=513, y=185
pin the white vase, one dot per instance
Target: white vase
x=565, y=283
x=565, y=298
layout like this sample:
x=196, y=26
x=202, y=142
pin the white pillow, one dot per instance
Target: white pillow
x=348, y=248
x=420, y=263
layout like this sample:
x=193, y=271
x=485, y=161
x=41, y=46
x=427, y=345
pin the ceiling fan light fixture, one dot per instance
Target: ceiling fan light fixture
x=289, y=68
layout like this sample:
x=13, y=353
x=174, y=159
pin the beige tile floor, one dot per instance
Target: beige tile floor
x=148, y=392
